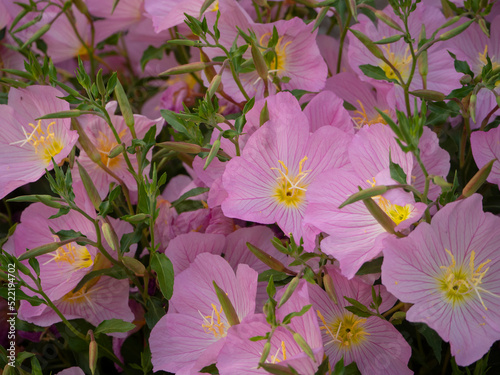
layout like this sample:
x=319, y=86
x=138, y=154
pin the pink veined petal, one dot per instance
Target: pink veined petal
x=484, y=149
x=183, y=249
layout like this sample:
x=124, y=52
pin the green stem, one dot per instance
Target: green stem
x=342, y=39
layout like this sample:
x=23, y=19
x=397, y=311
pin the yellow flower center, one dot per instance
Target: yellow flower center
x=401, y=62
x=459, y=283
x=397, y=213
x=346, y=331
x=213, y=324
x=44, y=141
x=362, y=118
x=276, y=357
x=290, y=190
x=78, y=256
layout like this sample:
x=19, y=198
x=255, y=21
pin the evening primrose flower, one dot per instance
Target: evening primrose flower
x=373, y=343
x=241, y=356
x=449, y=270
x=27, y=145
x=101, y=135
x=354, y=234
x=473, y=46
x=190, y=336
x=269, y=181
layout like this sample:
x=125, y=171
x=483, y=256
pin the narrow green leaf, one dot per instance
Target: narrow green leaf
x=113, y=325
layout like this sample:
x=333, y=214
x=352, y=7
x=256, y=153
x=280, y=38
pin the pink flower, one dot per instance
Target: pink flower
x=373, y=343
x=473, y=46
x=449, y=270
x=239, y=355
x=441, y=75
x=268, y=182
x=297, y=55
x=27, y=146
x=355, y=235
x=364, y=96
x=95, y=302
x=101, y=135
x=192, y=333
x=486, y=147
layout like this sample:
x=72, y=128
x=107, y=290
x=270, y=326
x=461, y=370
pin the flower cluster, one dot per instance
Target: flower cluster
x=229, y=189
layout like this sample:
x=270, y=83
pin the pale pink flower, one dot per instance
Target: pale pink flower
x=28, y=145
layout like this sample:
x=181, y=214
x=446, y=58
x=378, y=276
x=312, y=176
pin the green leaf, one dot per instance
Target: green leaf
x=152, y=53
x=165, y=272
x=432, y=339
x=287, y=319
x=155, y=311
x=113, y=325
x=375, y=72
x=397, y=172
x=115, y=272
x=191, y=193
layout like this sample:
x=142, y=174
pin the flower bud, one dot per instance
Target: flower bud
x=304, y=345
x=329, y=287
x=115, y=151
x=134, y=265
x=372, y=47
x=93, y=351
x=454, y=32
x=181, y=147
x=379, y=215
x=364, y=194
x=188, y=68
x=89, y=186
x=259, y=62
x=289, y=291
x=269, y=260
x=227, y=306
x=387, y=20
x=429, y=95
x=86, y=144
x=110, y=236
x=478, y=180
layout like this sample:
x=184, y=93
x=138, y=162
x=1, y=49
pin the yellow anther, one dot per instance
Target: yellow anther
x=79, y=257
x=213, y=323
x=458, y=282
x=290, y=190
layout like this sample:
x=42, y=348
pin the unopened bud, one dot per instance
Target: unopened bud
x=264, y=115
x=275, y=369
x=372, y=47
x=265, y=352
x=134, y=265
x=115, y=151
x=89, y=186
x=364, y=194
x=269, y=260
x=188, y=68
x=93, y=351
x=259, y=62
x=125, y=108
x=478, y=180
x=188, y=148
x=442, y=183
x=209, y=70
x=472, y=107
x=214, y=85
x=429, y=95
x=484, y=28
x=466, y=79
x=387, y=20
x=289, y=291
x=86, y=144
x=227, y=306
x=304, y=345
x=329, y=287
x=49, y=201
x=110, y=236
x=454, y=32
x=385, y=221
